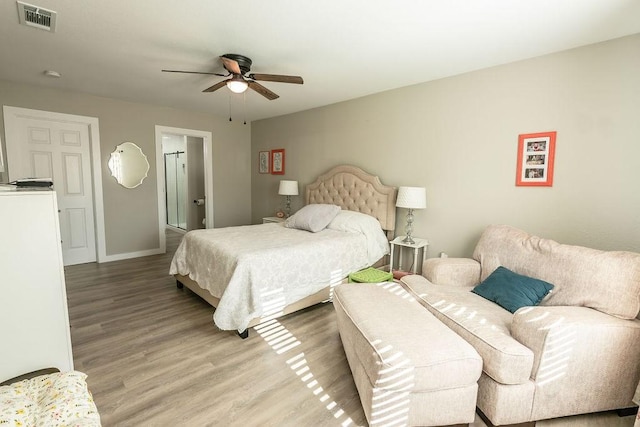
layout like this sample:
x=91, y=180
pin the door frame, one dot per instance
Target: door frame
x=96, y=168
x=207, y=146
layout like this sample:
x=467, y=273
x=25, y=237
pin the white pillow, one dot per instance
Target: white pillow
x=357, y=222
x=313, y=217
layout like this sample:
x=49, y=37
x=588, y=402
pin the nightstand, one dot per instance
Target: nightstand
x=420, y=245
x=268, y=219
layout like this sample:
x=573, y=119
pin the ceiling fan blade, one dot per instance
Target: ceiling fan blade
x=231, y=65
x=194, y=72
x=216, y=86
x=263, y=91
x=277, y=78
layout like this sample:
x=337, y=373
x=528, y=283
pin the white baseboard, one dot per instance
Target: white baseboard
x=128, y=255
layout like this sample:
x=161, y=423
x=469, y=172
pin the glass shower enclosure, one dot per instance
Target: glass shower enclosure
x=175, y=178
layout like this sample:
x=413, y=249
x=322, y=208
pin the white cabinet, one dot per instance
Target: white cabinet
x=34, y=320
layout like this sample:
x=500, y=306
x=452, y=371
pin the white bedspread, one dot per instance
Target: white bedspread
x=256, y=270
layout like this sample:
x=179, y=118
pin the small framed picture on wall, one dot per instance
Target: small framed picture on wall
x=277, y=161
x=536, y=152
x=264, y=160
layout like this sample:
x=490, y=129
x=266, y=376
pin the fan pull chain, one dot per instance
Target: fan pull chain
x=230, y=108
x=244, y=105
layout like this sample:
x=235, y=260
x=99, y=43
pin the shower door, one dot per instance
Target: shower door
x=175, y=183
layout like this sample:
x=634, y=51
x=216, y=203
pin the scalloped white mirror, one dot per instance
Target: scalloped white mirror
x=128, y=165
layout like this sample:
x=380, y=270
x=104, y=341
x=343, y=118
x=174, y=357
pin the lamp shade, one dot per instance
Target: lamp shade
x=412, y=198
x=288, y=188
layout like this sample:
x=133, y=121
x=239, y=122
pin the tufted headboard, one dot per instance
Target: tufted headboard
x=353, y=189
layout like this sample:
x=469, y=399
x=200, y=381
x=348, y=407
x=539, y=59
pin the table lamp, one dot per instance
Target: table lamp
x=411, y=198
x=288, y=189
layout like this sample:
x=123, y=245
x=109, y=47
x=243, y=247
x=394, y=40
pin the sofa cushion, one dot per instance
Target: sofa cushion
x=512, y=291
x=482, y=323
x=605, y=281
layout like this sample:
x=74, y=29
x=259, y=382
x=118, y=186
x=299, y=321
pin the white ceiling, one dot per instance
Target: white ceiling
x=343, y=49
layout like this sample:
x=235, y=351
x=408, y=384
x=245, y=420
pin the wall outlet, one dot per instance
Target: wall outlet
x=444, y=255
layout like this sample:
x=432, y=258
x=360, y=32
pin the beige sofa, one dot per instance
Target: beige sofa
x=576, y=352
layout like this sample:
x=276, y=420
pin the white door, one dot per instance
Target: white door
x=40, y=147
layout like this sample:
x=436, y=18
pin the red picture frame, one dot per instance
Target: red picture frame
x=277, y=161
x=536, y=154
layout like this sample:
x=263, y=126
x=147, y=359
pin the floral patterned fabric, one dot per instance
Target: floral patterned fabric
x=60, y=399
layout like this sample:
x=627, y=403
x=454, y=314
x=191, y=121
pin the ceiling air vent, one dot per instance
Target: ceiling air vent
x=35, y=16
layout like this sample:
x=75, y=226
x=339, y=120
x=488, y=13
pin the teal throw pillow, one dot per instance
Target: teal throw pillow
x=511, y=290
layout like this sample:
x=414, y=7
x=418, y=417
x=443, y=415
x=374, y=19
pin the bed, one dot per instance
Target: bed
x=258, y=272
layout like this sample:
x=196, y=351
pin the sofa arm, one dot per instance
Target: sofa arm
x=578, y=351
x=452, y=271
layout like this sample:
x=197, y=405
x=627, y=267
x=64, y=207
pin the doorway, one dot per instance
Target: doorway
x=185, y=187
x=184, y=181
x=66, y=149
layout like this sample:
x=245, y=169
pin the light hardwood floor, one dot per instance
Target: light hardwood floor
x=154, y=357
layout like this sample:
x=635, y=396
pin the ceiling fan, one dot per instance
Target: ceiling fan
x=238, y=67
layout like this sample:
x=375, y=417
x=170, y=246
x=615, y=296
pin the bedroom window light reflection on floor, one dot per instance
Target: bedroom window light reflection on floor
x=277, y=336
x=282, y=341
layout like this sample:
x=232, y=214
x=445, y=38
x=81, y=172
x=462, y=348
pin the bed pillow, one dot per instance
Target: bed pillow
x=313, y=217
x=512, y=291
x=357, y=222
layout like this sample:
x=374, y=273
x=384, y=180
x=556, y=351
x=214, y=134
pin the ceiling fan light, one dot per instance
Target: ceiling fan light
x=238, y=85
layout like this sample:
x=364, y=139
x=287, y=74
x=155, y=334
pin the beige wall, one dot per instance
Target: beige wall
x=131, y=215
x=458, y=138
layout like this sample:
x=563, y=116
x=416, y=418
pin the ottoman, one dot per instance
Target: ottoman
x=408, y=367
